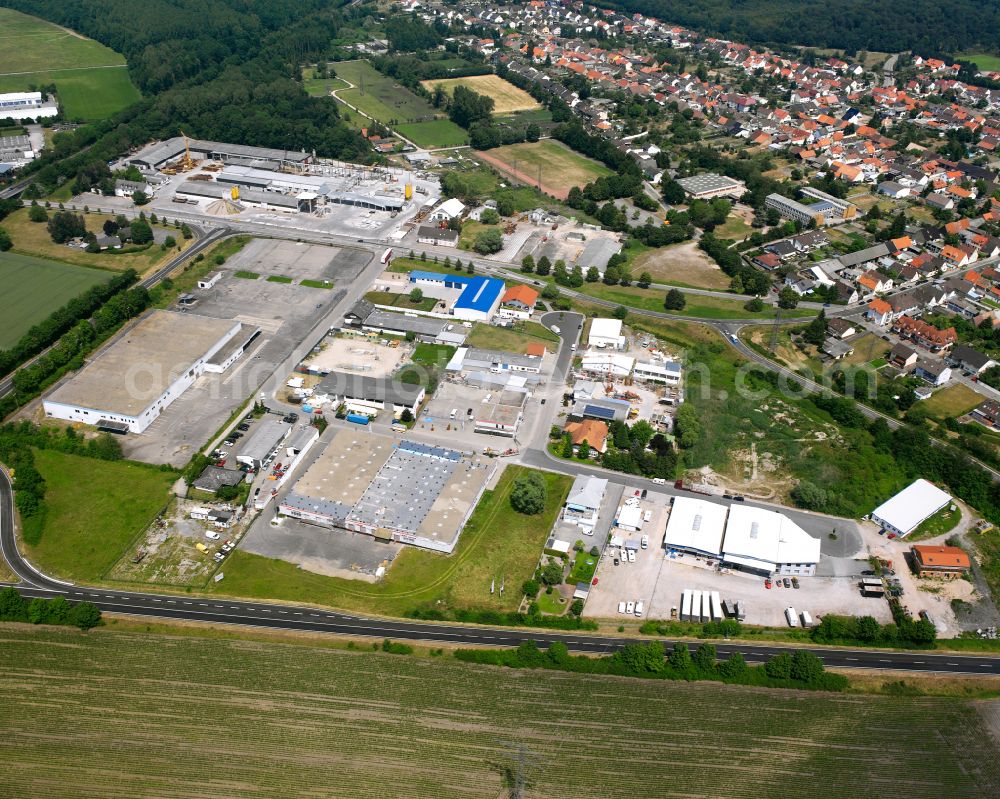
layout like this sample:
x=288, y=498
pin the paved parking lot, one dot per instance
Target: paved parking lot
x=334, y=552
x=284, y=312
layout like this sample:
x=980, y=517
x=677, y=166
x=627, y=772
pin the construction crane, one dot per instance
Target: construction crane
x=187, y=163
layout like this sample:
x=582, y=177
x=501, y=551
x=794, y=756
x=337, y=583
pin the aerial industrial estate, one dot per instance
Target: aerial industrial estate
x=544, y=337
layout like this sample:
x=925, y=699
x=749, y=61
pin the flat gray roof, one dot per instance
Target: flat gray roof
x=709, y=181
x=475, y=356
x=598, y=252
x=161, y=152
x=143, y=362
x=269, y=433
x=214, y=477
x=369, y=388
x=421, y=325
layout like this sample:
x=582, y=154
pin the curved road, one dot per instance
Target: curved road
x=220, y=610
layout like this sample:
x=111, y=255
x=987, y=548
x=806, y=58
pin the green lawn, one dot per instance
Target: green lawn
x=951, y=402
x=316, y=284
x=433, y=354
x=34, y=288
x=405, y=265
x=497, y=544
x=552, y=604
x=94, y=509
x=246, y=274
x=320, y=87
x=436, y=133
x=560, y=167
x=944, y=521
x=91, y=80
x=583, y=568
x=989, y=63
x=697, y=305
x=279, y=279
x=402, y=301
x=188, y=712
x=512, y=339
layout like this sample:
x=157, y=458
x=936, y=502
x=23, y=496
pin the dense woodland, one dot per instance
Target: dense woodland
x=217, y=69
x=850, y=25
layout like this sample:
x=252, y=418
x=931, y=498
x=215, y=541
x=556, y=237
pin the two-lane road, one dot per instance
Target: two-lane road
x=223, y=610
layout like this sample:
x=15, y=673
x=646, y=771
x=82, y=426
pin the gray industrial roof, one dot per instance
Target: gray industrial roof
x=476, y=356
x=333, y=510
x=709, y=181
x=587, y=491
x=406, y=487
x=370, y=388
x=164, y=151
x=207, y=188
x=421, y=325
x=598, y=252
x=269, y=433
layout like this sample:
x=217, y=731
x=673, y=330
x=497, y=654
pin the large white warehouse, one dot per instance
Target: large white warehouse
x=127, y=386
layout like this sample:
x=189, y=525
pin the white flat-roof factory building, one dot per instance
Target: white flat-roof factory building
x=606, y=333
x=709, y=184
x=767, y=542
x=26, y=105
x=128, y=385
x=905, y=511
x=741, y=536
x=160, y=154
x=696, y=526
x=264, y=442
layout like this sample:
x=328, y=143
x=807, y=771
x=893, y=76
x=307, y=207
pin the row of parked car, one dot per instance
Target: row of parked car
x=631, y=608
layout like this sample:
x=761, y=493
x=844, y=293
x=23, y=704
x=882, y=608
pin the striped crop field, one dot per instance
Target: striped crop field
x=116, y=713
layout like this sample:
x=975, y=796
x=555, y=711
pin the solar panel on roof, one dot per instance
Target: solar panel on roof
x=599, y=412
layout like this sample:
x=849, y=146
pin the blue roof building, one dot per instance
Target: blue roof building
x=480, y=295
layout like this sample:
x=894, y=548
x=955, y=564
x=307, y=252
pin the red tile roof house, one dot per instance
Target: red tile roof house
x=879, y=312
x=924, y=334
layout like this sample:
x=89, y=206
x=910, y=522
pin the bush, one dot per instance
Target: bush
x=396, y=649
x=674, y=301
x=530, y=588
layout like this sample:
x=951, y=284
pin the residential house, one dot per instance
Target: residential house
x=840, y=328
x=924, y=334
x=970, y=360
x=879, y=312
x=902, y=357
x=518, y=302
x=594, y=432
x=583, y=504
x=987, y=413
x=934, y=372
x=875, y=282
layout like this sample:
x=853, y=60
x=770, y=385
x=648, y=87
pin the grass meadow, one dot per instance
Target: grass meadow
x=92, y=80
x=507, y=98
x=115, y=713
x=34, y=288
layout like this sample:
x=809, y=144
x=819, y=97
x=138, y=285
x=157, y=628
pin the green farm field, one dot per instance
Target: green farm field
x=34, y=288
x=989, y=63
x=120, y=713
x=507, y=98
x=92, y=80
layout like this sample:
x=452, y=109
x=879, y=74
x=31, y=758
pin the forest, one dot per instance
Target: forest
x=218, y=69
x=850, y=25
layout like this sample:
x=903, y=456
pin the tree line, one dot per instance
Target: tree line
x=879, y=25
x=60, y=321
x=14, y=607
x=800, y=669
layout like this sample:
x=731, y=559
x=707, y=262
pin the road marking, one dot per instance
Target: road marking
x=884, y=660
x=157, y=600
x=188, y=603
x=850, y=658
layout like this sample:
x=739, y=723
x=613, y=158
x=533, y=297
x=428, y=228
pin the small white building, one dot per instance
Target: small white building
x=666, y=372
x=607, y=364
x=902, y=513
x=583, y=504
x=210, y=281
x=606, y=334
x=26, y=105
x=448, y=210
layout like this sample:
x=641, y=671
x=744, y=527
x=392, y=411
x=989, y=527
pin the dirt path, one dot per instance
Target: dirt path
x=517, y=174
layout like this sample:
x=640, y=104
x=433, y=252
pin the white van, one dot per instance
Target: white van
x=792, y=617
x=807, y=620
x=638, y=608
x=647, y=516
x=621, y=607
x=454, y=412
x=629, y=607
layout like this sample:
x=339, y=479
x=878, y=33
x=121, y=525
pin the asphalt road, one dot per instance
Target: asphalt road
x=219, y=610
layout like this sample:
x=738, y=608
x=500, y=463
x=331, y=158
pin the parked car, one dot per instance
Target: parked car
x=631, y=556
x=644, y=542
x=212, y=536
x=630, y=608
x=767, y=583
x=243, y=426
x=659, y=481
x=218, y=557
x=795, y=582
x=638, y=607
x=229, y=442
x=787, y=582
x=621, y=607
x=617, y=561
x=226, y=548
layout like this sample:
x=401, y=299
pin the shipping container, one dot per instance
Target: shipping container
x=716, y=607
x=686, y=605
